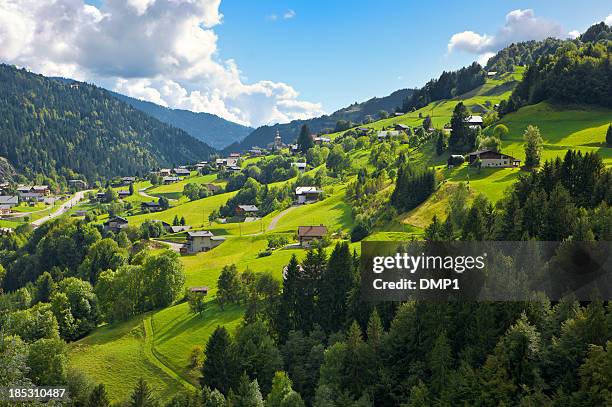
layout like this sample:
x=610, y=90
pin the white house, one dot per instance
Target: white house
x=301, y=167
x=307, y=194
x=388, y=133
x=494, y=159
x=202, y=241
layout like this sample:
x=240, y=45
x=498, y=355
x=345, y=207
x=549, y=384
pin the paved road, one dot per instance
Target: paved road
x=62, y=209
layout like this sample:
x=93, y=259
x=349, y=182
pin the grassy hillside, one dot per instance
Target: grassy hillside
x=174, y=331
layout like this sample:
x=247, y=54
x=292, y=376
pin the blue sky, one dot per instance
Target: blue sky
x=338, y=52
x=259, y=62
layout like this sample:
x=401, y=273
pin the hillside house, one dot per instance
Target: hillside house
x=220, y=163
x=493, y=159
x=115, y=224
x=6, y=203
x=234, y=155
x=474, y=121
x=232, y=161
x=170, y=180
x=398, y=114
x=295, y=148
x=363, y=131
x=213, y=188
x=151, y=206
x=308, y=234
x=181, y=172
x=247, y=210
x=165, y=172
x=401, y=127
x=321, y=140
x=77, y=184
x=255, y=151
x=6, y=231
x=234, y=168
x=128, y=180
x=307, y=194
x=387, y=134
x=202, y=241
x=301, y=167
x=203, y=290
x=123, y=193
x=100, y=196
x=169, y=228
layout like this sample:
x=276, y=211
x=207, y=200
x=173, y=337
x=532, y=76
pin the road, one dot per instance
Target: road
x=62, y=209
x=278, y=217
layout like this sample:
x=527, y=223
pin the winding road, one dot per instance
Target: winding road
x=63, y=208
x=278, y=217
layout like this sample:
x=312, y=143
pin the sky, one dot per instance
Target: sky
x=268, y=61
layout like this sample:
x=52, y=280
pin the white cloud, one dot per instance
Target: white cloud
x=520, y=25
x=608, y=19
x=484, y=58
x=164, y=51
x=289, y=14
x=573, y=34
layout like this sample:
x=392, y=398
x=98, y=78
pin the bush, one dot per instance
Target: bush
x=264, y=253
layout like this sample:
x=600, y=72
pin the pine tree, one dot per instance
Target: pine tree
x=183, y=221
x=304, y=140
x=175, y=221
x=441, y=143
x=609, y=136
x=44, y=287
x=459, y=140
x=286, y=319
x=336, y=283
x=131, y=189
x=98, y=397
x=142, y=396
x=220, y=369
x=440, y=360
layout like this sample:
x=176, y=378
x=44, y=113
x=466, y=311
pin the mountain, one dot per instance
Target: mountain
x=58, y=129
x=354, y=113
x=206, y=127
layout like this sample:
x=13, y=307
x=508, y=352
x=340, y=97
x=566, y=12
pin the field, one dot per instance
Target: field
x=158, y=345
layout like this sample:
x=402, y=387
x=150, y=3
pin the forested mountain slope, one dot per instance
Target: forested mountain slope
x=56, y=128
x=206, y=127
x=355, y=113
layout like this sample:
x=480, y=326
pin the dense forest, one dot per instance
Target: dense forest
x=522, y=54
x=52, y=128
x=573, y=74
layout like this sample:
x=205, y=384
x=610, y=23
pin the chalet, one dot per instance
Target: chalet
x=123, y=193
x=36, y=191
x=401, y=127
x=255, y=151
x=387, y=134
x=363, y=130
x=234, y=168
x=100, y=196
x=220, y=163
x=301, y=167
x=494, y=159
x=234, y=155
x=202, y=241
x=213, y=188
x=152, y=206
x=165, y=172
x=77, y=184
x=43, y=190
x=491, y=73
x=115, y=224
x=246, y=210
x=307, y=234
x=128, y=180
x=170, y=180
x=6, y=203
x=181, y=172
x=397, y=114
x=175, y=228
x=307, y=194
x=474, y=121
x=320, y=140
x=199, y=290
x=295, y=148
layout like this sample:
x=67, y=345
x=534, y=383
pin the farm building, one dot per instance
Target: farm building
x=152, y=206
x=78, y=184
x=307, y=194
x=474, y=121
x=490, y=158
x=301, y=167
x=202, y=241
x=7, y=202
x=115, y=224
x=246, y=210
x=308, y=234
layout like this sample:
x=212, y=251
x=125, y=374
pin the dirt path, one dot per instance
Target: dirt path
x=278, y=217
x=151, y=355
